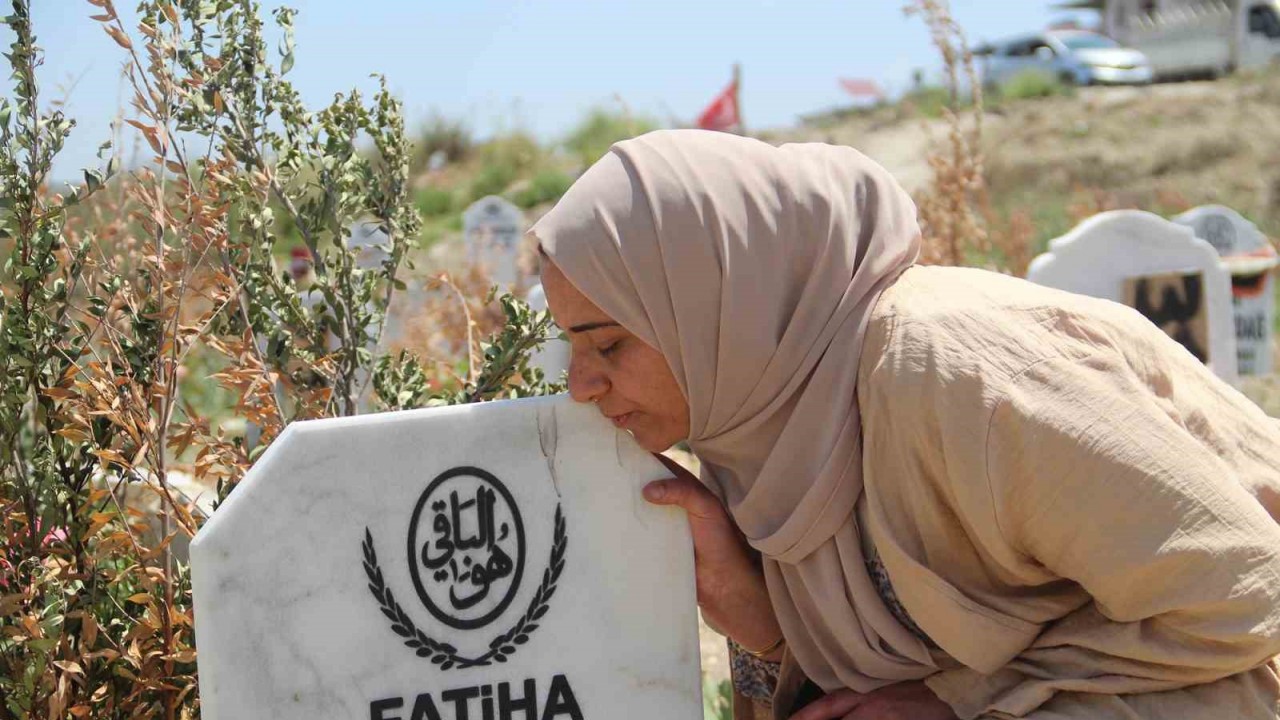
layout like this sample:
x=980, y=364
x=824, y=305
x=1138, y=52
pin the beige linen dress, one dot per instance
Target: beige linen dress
x=1075, y=510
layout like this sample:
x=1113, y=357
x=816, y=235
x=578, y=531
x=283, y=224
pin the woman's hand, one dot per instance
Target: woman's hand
x=731, y=588
x=900, y=701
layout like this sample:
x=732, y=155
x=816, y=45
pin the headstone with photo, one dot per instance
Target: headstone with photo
x=493, y=228
x=1159, y=268
x=490, y=562
x=1251, y=260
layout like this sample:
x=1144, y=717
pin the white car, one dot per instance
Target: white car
x=1076, y=57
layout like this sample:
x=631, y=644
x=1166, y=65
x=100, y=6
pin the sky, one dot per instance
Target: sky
x=540, y=65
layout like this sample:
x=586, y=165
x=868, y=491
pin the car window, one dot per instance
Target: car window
x=1020, y=49
x=1263, y=21
x=1087, y=41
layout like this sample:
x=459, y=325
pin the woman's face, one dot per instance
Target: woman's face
x=628, y=381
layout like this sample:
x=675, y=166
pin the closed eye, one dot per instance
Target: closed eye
x=610, y=348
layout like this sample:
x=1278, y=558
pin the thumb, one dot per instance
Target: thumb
x=685, y=492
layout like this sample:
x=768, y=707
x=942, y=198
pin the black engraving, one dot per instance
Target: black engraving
x=467, y=550
x=560, y=700
x=502, y=646
x=378, y=708
x=507, y=706
x=424, y=708
x=460, y=699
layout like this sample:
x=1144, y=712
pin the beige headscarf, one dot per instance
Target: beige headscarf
x=753, y=269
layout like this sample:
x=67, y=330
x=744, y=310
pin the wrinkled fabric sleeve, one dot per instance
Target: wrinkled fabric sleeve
x=1093, y=478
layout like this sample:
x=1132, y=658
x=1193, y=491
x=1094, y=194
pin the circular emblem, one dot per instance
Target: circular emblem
x=466, y=548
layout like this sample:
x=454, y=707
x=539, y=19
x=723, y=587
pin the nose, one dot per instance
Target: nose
x=586, y=381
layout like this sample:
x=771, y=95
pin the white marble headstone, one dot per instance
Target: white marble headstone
x=371, y=244
x=553, y=357
x=492, y=228
x=490, y=562
x=1251, y=261
x=1110, y=251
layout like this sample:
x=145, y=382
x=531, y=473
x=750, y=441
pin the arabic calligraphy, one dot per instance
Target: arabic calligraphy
x=466, y=547
x=451, y=539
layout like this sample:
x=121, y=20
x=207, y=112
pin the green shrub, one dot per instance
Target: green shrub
x=717, y=700
x=928, y=101
x=547, y=186
x=156, y=331
x=1033, y=84
x=517, y=151
x=492, y=180
x=452, y=137
x=434, y=202
x=600, y=129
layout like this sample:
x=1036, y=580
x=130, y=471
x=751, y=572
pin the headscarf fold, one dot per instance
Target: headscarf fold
x=753, y=269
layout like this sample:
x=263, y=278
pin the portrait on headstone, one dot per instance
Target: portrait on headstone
x=1175, y=303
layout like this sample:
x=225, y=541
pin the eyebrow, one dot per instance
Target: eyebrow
x=592, y=326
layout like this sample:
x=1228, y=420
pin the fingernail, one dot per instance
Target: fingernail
x=654, y=491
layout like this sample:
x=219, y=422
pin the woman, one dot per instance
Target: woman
x=973, y=497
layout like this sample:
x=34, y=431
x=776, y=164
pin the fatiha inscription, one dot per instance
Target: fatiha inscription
x=484, y=702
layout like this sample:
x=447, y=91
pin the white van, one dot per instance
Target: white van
x=1197, y=37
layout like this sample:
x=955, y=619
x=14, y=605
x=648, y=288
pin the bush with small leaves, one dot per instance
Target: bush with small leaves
x=121, y=294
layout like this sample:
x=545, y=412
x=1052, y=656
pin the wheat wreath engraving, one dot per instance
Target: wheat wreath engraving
x=476, y=544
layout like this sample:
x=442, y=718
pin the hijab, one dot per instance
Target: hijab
x=753, y=269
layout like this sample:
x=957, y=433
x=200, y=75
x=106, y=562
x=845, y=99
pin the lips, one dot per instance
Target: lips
x=620, y=421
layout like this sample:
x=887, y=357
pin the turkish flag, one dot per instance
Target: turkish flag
x=722, y=113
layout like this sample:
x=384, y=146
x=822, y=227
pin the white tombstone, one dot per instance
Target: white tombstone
x=371, y=244
x=1125, y=252
x=553, y=357
x=490, y=562
x=1251, y=261
x=492, y=228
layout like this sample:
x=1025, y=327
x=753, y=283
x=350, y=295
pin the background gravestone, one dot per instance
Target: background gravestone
x=1156, y=266
x=492, y=228
x=489, y=561
x=1251, y=261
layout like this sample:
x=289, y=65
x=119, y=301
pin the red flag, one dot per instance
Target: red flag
x=863, y=90
x=722, y=114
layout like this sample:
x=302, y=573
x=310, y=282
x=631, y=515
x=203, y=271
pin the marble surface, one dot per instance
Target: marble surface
x=1101, y=254
x=490, y=561
x=552, y=358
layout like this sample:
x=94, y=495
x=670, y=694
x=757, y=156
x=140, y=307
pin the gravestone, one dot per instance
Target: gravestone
x=1158, y=267
x=371, y=244
x=1251, y=261
x=552, y=358
x=492, y=228
x=481, y=562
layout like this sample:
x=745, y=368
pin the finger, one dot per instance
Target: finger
x=686, y=493
x=831, y=706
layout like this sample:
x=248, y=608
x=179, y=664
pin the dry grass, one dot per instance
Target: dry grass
x=960, y=224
